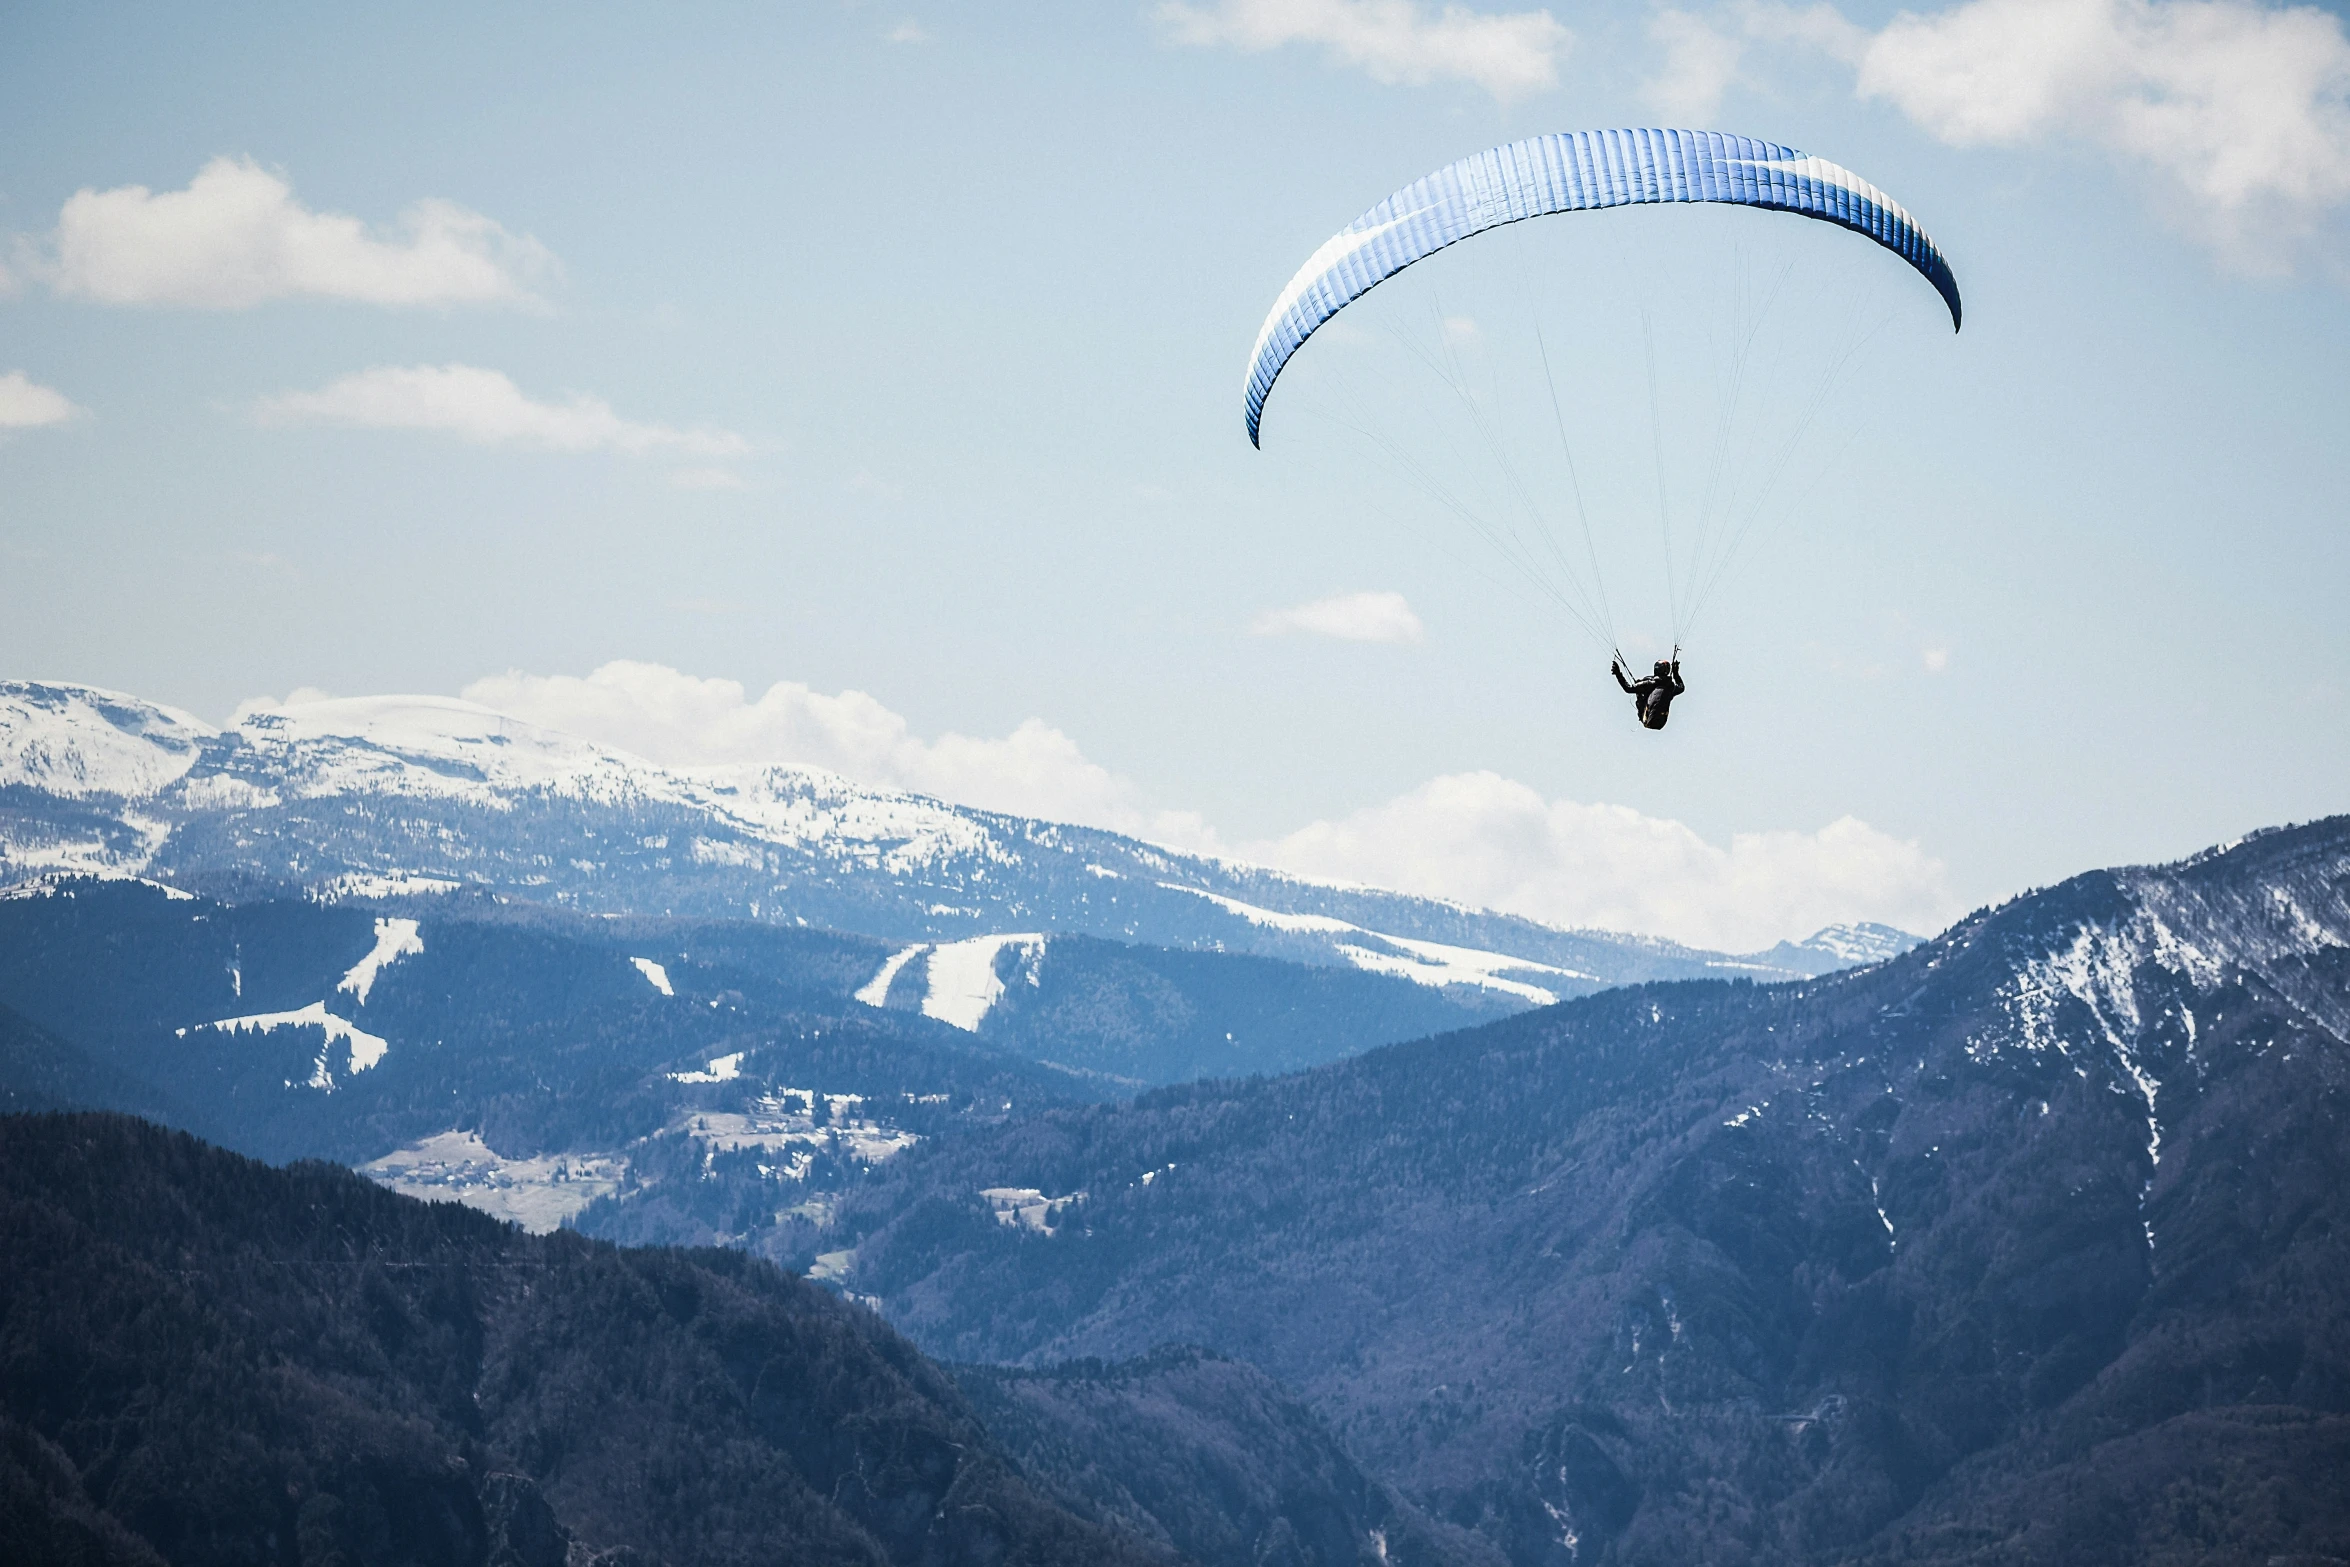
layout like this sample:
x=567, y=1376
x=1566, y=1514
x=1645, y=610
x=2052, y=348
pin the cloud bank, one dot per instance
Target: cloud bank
x=236, y=237
x=2241, y=112
x=1509, y=54
x=25, y=404
x=1483, y=839
x=488, y=409
x=1476, y=837
x=1350, y=617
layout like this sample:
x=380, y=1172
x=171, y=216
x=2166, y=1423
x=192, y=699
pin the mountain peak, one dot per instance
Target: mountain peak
x=1865, y=942
x=78, y=741
x=1839, y=947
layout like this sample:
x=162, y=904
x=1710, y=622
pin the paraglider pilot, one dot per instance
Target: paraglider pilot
x=1652, y=695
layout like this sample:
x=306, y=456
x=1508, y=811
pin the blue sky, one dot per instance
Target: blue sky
x=897, y=351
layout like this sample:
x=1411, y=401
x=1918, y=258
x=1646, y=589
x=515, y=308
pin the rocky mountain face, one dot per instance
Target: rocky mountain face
x=2023, y=1247
x=393, y=795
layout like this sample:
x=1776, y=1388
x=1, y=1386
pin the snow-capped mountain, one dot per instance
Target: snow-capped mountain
x=406, y=796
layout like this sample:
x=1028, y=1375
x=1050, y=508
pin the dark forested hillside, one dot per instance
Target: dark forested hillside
x=1207, y=1456
x=2023, y=1247
x=205, y=1360
x=39, y=1071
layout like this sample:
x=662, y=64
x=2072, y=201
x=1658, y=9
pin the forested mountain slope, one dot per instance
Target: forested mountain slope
x=207, y=1361
x=1206, y=1456
x=2023, y=1247
x=204, y=1360
x=529, y=1061
x=39, y=1071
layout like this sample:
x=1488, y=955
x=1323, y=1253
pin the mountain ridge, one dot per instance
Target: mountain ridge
x=416, y=794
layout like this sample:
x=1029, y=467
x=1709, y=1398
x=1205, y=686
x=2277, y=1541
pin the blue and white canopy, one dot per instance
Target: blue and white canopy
x=1574, y=171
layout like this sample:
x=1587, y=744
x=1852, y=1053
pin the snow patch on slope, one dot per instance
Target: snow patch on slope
x=365, y=1049
x=718, y=1069
x=1271, y=919
x=1432, y=963
x=875, y=991
x=964, y=986
x=394, y=939
x=655, y=975
x=227, y=792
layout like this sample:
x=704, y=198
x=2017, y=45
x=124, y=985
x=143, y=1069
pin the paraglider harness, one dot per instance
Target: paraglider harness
x=1652, y=695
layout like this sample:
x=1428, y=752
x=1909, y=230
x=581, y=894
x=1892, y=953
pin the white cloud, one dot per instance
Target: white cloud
x=488, y=409
x=1483, y=839
x=298, y=697
x=1509, y=54
x=1351, y=617
x=684, y=721
x=1477, y=837
x=26, y=404
x=908, y=32
x=2237, y=113
x=1700, y=66
x=1936, y=659
x=236, y=237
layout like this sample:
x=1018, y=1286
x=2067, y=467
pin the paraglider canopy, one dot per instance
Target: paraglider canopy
x=1573, y=171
